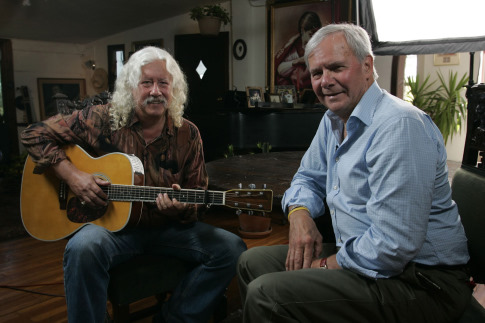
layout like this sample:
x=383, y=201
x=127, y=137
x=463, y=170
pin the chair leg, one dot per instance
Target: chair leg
x=121, y=313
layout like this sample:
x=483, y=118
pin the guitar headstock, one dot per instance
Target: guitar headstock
x=250, y=199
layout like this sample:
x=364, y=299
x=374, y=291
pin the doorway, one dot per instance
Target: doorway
x=205, y=62
x=8, y=119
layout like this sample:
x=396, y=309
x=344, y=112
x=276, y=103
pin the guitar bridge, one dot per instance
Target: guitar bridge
x=63, y=195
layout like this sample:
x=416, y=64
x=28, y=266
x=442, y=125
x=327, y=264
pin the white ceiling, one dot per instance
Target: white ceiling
x=83, y=21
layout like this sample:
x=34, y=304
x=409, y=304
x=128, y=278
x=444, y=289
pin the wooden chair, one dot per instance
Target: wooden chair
x=139, y=278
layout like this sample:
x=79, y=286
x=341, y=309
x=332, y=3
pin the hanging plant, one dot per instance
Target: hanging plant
x=211, y=10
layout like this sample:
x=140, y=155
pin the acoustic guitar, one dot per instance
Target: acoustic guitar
x=50, y=211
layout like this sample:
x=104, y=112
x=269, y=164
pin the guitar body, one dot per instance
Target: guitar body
x=44, y=214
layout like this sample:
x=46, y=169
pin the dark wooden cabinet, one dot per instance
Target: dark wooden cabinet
x=283, y=129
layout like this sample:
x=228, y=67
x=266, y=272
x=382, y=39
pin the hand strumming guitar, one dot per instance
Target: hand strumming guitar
x=84, y=185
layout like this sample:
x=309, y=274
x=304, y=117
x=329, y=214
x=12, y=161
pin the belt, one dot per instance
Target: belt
x=442, y=267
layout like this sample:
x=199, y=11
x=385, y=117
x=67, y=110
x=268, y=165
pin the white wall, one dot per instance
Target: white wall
x=383, y=67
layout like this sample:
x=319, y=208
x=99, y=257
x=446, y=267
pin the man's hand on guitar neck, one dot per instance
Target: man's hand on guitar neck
x=85, y=186
x=175, y=210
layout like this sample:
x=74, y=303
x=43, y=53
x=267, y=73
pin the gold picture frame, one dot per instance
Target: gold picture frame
x=285, y=40
x=73, y=89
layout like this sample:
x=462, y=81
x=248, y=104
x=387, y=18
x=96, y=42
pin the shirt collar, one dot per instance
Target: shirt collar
x=168, y=128
x=365, y=109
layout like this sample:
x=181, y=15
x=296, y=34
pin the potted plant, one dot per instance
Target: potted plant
x=443, y=103
x=210, y=17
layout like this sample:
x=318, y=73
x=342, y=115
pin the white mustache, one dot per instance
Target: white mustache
x=153, y=99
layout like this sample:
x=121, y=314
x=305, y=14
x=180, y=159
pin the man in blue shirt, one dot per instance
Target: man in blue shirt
x=380, y=164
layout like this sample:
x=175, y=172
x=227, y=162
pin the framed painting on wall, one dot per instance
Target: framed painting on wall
x=290, y=26
x=49, y=88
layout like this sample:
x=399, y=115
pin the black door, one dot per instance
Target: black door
x=206, y=93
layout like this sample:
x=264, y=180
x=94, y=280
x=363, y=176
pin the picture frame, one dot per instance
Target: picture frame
x=274, y=98
x=254, y=94
x=73, y=89
x=287, y=93
x=285, y=41
x=446, y=59
x=136, y=45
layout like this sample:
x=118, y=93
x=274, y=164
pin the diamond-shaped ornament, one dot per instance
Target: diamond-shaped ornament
x=201, y=69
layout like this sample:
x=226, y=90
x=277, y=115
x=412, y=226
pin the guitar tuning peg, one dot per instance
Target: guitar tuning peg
x=252, y=186
x=239, y=185
x=238, y=212
x=250, y=212
x=264, y=186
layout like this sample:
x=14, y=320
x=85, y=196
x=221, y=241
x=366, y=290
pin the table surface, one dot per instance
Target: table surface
x=275, y=169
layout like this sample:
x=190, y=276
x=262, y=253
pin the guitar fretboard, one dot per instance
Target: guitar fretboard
x=131, y=193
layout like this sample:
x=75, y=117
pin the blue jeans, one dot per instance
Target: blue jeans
x=93, y=250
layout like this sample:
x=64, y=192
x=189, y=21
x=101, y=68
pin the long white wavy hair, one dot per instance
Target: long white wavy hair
x=123, y=103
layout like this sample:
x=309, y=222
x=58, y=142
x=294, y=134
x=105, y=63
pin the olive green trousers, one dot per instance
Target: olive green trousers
x=420, y=294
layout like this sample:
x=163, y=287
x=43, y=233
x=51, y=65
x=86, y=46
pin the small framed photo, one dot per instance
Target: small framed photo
x=287, y=93
x=446, y=59
x=254, y=94
x=275, y=98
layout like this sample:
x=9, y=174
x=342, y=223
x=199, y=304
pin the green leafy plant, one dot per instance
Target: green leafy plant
x=444, y=103
x=264, y=146
x=212, y=10
x=229, y=152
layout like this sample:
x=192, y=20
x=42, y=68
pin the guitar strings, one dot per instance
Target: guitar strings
x=245, y=200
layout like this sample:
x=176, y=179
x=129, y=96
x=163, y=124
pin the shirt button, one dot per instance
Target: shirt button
x=337, y=159
x=340, y=240
x=335, y=187
x=332, y=212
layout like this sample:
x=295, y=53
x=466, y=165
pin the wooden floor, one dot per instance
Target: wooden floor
x=29, y=264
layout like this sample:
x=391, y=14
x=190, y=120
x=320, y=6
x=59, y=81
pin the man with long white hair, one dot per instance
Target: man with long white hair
x=144, y=118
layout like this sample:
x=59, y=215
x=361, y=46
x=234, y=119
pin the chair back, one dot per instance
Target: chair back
x=468, y=190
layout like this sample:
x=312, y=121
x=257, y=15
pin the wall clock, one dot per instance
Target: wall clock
x=239, y=49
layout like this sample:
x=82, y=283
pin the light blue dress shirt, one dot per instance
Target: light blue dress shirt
x=386, y=186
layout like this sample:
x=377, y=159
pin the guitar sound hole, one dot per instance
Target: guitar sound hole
x=78, y=213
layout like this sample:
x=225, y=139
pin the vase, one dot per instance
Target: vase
x=209, y=26
x=254, y=226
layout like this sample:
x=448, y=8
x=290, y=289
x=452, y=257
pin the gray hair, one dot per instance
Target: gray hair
x=123, y=102
x=357, y=39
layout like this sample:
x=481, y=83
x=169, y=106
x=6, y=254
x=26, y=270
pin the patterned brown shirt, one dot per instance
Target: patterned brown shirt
x=175, y=157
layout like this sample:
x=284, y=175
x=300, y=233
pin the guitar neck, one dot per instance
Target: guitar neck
x=129, y=193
